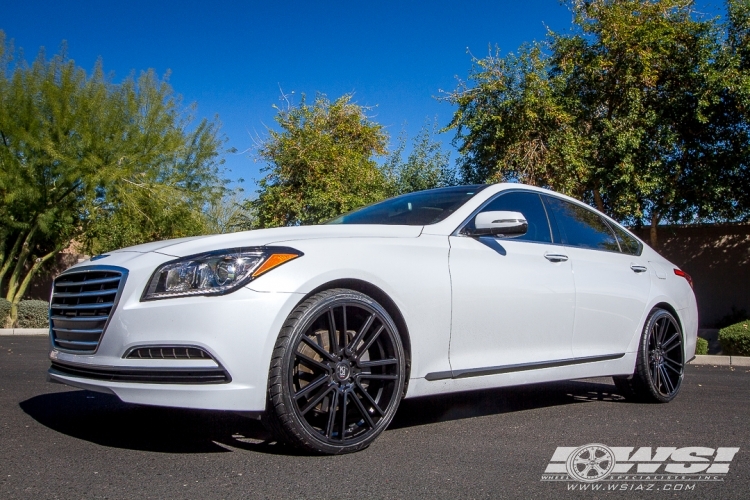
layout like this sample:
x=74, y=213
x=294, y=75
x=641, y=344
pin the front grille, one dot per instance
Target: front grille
x=167, y=352
x=82, y=302
x=145, y=375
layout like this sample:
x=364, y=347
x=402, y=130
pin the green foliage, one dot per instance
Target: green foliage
x=4, y=311
x=512, y=124
x=320, y=164
x=107, y=165
x=230, y=214
x=33, y=314
x=701, y=346
x=735, y=339
x=641, y=110
x=426, y=167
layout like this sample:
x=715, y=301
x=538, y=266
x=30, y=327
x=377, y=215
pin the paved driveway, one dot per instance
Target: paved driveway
x=59, y=442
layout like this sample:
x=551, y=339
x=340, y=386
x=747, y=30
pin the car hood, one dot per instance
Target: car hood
x=262, y=237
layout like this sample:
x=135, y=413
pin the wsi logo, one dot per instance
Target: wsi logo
x=598, y=462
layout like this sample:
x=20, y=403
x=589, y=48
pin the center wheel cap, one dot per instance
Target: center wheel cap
x=342, y=371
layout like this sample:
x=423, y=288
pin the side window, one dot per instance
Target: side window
x=581, y=227
x=628, y=244
x=530, y=205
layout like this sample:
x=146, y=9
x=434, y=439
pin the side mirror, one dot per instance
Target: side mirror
x=500, y=223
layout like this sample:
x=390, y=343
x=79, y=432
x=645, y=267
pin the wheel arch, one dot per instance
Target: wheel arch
x=384, y=300
x=671, y=310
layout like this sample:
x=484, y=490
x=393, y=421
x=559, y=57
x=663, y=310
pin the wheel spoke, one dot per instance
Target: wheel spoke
x=378, y=362
x=362, y=331
x=368, y=397
x=599, y=469
x=345, y=329
x=667, y=365
x=371, y=341
x=665, y=378
x=345, y=398
x=655, y=373
x=674, y=337
x=307, y=340
x=312, y=404
x=311, y=363
x=332, y=414
x=378, y=376
x=363, y=410
x=332, y=331
x=662, y=330
x=673, y=364
x=311, y=387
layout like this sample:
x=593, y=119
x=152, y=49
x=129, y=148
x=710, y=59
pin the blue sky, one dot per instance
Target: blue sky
x=231, y=58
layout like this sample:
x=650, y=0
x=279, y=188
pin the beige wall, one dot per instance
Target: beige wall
x=717, y=256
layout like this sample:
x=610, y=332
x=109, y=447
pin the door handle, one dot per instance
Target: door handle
x=555, y=257
x=638, y=269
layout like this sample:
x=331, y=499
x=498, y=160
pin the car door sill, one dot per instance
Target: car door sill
x=495, y=370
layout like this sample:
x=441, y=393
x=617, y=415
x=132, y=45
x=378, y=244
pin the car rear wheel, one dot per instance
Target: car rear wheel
x=337, y=373
x=660, y=364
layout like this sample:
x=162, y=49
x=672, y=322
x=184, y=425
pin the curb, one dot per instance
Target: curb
x=707, y=359
x=6, y=332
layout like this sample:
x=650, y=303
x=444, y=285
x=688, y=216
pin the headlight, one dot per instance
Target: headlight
x=214, y=273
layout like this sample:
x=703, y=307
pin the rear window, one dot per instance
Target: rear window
x=414, y=209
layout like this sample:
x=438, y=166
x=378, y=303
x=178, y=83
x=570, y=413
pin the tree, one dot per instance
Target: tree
x=84, y=159
x=641, y=111
x=513, y=125
x=230, y=214
x=320, y=164
x=427, y=165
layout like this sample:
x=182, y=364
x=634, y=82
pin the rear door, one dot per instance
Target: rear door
x=611, y=279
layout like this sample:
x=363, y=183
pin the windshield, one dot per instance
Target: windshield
x=413, y=209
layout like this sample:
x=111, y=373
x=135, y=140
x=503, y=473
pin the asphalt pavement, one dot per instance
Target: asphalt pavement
x=60, y=442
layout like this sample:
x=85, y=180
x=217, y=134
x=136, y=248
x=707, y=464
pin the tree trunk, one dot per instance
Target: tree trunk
x=598, y=200
x=21, y=290
x=23, y=255
x=652, y=233
x=7, y=260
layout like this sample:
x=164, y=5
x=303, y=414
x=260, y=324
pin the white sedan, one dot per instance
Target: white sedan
x=322, y=330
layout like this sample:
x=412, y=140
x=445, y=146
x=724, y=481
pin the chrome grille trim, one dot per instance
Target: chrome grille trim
x=83, y=301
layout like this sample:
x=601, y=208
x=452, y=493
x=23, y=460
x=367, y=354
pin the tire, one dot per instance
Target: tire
x=337, y=374
x=660, y=365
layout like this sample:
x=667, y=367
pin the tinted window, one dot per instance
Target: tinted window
x=628, y=244
x=530, y=205
x=413, y=209
x=581, y=227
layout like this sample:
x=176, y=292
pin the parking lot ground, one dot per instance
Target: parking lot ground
x=60, y=442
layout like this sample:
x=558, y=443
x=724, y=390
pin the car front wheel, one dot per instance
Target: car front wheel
x=337, y=373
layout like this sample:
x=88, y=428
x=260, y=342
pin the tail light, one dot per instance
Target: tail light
x=680, y=272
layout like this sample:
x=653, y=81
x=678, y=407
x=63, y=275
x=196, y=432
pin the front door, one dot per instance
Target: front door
x=513, y=299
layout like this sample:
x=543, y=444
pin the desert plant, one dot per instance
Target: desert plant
x=33, y=314
x=701, y=346
x=735, y=339
x=4, y=311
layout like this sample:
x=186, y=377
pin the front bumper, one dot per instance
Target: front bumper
x=238, y=330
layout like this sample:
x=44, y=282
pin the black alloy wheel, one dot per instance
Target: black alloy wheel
x=660, y=366
x=337, y=373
